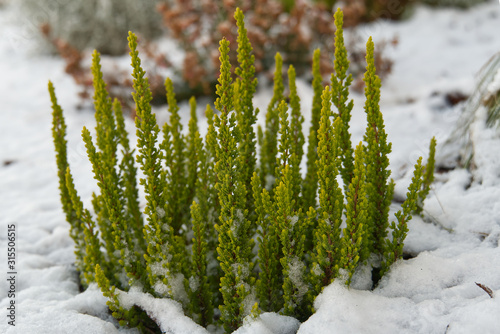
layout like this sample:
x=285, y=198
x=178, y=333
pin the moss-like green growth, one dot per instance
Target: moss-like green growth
x=150, y=159
x=60, y=143
x=92, y=253
x=125, y=317
x=235, y=244
x=218, y=230
x=340, y=83
x=356, y=212
x=269, y=148
x=292, y=225
x=380, y=189
x=394, y=247
x=297, y=136
x=200, y=295
x=177, y=194
x=247, y=114
x=310, y=184
x=326, y=255
x=270, y=282
x=428, y=176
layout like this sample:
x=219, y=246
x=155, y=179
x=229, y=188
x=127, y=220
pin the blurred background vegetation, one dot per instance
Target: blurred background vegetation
x=292, y=27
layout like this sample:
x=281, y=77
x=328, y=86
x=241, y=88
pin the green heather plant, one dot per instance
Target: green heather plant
x=220, y=229
x=394, y=248
x=310, y=184
x=269, y=137
x=235, y=241
x=428, y=177
x=340, y=83
x=60, y=143
x=270, y=282
x=327, y=236
x=379, y=189
x=356, y=212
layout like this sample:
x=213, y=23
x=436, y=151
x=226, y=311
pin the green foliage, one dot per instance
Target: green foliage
x=128, y=180
x=290, y=220
x=394, y=247
x=206, y=193
x=235, y=243
x=270, y=282
x=247, y=115
x=106, y=232
x=60, y=143
x=379, y=190
x=285, y=155
x=340, y=83
x=150, y=159
x=105, y=161
x=269, y=148
x=428, y=177
x=310, y=184
x=224, y=102
x=92, y=253
x=125, y=316
x=208, y=199
x=177, y=195
x=326, y=255
x=297, y=136
x=207, y=202
x=193, y=151
x=200, y=294
x=353, y=250
x=292, y=237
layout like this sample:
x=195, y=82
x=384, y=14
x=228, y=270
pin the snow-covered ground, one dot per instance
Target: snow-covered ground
x=454, y=248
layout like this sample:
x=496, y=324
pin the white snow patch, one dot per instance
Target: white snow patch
x=158, y=268
x=296, y=274
x=161, y=288
x=166, y=312
x=194, y=283
x=343, y=310
x=316, y=269
x=269, y=323
x=178, y=290
x=237, y=221
x=160, y=212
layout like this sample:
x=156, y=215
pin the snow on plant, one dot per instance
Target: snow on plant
x=215, y=233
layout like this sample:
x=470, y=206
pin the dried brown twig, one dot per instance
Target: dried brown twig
x=486, y=289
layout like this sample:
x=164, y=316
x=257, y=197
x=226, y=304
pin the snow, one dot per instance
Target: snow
x=167, y=313
x=194, y=283
x=454, y=246
x=433, y=293
x=269, y=323
x=179, y=293
x=296, y=271
x=250, y=299
x=293, y=220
